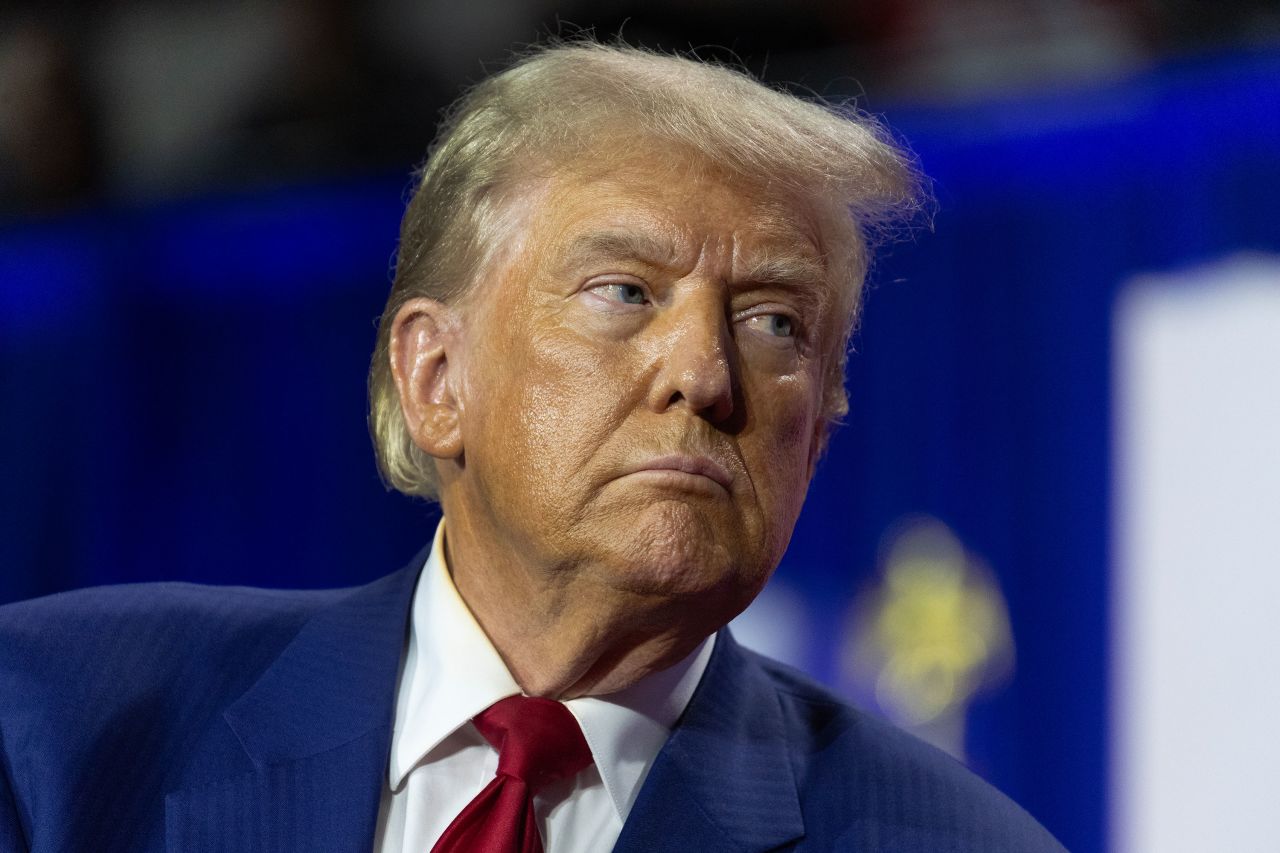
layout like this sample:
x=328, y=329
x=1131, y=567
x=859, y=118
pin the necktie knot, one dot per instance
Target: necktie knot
x=538, y=740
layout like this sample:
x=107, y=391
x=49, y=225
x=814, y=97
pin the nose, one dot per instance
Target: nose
x=697, y=367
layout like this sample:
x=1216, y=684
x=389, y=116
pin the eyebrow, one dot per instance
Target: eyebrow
x=786, y=269
x=766, y=268
x=619, y=245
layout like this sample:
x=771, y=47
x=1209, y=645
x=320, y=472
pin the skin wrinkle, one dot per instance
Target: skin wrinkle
x=587, y=580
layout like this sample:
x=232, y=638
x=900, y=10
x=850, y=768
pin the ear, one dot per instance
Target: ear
x=423, y=334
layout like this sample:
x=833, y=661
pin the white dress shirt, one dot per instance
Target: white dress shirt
x=439, y=761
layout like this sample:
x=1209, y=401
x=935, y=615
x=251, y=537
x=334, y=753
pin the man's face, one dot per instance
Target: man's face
x=642, y=382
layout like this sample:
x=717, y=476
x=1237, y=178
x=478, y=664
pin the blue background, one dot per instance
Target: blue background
x=183, y=395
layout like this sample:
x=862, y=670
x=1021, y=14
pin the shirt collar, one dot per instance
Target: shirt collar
x=452, y=672
x=627, y=729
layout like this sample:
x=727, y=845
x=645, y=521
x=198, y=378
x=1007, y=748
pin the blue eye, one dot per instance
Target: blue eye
x=780, y=325
x=624, y=292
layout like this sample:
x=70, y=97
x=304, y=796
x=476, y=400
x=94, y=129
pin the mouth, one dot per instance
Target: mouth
x=680, y=469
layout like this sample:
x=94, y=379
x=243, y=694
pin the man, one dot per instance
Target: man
x=612, y=351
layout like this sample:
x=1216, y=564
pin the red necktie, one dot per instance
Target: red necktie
x=538, y=742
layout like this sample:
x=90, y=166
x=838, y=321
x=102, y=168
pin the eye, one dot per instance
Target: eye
x=777, y=325
x=623, y=292
x=780, y=325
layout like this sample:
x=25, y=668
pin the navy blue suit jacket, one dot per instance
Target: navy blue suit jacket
x=198, y=719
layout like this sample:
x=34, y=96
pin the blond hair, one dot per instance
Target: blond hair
x=561, y=101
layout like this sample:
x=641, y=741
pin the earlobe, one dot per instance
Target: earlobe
x=423, y=334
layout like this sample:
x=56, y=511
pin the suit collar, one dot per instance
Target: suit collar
x=336, y=681
x=725, y=780
x=317, y=728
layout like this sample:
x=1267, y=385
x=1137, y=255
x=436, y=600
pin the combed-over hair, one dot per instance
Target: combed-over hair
x=560, y=102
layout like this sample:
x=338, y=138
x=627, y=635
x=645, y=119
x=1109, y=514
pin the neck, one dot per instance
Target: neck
x=560, y=632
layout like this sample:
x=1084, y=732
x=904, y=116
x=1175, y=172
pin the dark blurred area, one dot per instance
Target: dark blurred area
x=144, y=100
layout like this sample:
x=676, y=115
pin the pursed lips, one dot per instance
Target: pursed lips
x=699, y=466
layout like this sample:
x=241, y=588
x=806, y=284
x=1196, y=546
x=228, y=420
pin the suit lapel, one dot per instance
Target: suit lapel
x=724, y=781
x=317, y=728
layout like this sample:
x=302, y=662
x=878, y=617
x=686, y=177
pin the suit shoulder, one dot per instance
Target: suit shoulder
x=78, y=617
x=889, y=789
x=158, y=599
x=110, y=641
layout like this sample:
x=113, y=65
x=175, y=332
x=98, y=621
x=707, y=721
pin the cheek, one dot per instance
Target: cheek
x=785, y=408
x=559, y=400
x=786, y=420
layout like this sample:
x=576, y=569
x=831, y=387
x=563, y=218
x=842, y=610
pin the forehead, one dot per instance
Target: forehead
x=666, y=208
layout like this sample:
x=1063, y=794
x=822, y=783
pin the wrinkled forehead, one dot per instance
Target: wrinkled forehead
x=669, y=208
x=669, y=177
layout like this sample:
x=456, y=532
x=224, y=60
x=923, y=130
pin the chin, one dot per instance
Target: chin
x=676, y=549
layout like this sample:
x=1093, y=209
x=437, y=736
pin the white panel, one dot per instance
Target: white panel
x=1196, y=607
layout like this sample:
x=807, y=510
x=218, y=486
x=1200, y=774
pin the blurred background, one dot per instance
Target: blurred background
x=1047, y=537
